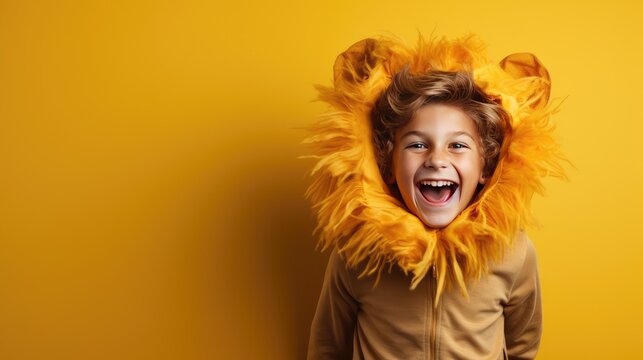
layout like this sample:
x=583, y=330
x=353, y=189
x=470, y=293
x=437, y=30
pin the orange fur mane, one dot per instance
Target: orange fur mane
x=355, y=209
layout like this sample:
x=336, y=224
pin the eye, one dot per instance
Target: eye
x=416, y=146
x=459, y=146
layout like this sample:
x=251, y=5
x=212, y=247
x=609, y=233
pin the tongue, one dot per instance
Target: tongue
x=436, y=195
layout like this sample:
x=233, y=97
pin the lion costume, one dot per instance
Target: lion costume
x=355, y=208
x=483, y=250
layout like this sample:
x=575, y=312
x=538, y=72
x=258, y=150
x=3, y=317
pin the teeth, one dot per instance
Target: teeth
x=439, y=183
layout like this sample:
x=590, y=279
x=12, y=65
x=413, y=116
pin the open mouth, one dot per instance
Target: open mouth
x=437, y=192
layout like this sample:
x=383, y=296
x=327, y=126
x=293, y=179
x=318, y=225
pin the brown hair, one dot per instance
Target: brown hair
x=408, y=93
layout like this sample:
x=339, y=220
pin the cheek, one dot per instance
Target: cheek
x=472, y=169
x=405, y=168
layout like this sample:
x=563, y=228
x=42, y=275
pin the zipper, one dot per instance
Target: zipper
x=434, y=316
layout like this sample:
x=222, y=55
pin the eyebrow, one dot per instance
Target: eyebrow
x=421, y=134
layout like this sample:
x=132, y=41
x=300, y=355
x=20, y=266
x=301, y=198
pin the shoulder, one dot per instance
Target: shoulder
x=523, y=246
x=519, y=260
x=525, y=249
x=520, y=250
x=524, y=259
x=338, y=270
x=337, y=260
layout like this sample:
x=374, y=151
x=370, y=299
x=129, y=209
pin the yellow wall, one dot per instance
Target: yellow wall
x=151, y=201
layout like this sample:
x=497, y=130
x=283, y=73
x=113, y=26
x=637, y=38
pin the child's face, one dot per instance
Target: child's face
x=438, y=163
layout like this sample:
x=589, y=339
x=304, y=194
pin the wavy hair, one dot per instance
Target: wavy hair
x=408, y=93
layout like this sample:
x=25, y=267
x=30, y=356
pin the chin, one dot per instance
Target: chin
x=436, y=221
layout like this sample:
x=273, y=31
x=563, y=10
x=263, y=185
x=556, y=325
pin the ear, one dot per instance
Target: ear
x=522, y=65
x=354, y=66
x=390, y=178
x=483, y=179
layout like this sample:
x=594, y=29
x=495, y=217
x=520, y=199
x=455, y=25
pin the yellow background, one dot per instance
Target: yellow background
x=151, y=201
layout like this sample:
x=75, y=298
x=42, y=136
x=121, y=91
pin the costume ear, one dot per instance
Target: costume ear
x=354, y=65
x=521, y=65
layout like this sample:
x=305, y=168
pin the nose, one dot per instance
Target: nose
x=436, y=159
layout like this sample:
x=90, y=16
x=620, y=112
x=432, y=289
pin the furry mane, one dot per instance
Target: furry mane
x=355, y=209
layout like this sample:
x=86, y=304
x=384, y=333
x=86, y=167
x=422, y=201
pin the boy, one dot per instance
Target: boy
x=417, y=173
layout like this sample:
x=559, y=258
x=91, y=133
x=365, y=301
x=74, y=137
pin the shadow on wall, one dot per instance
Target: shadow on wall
x=296, y=267
x=273, y=272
